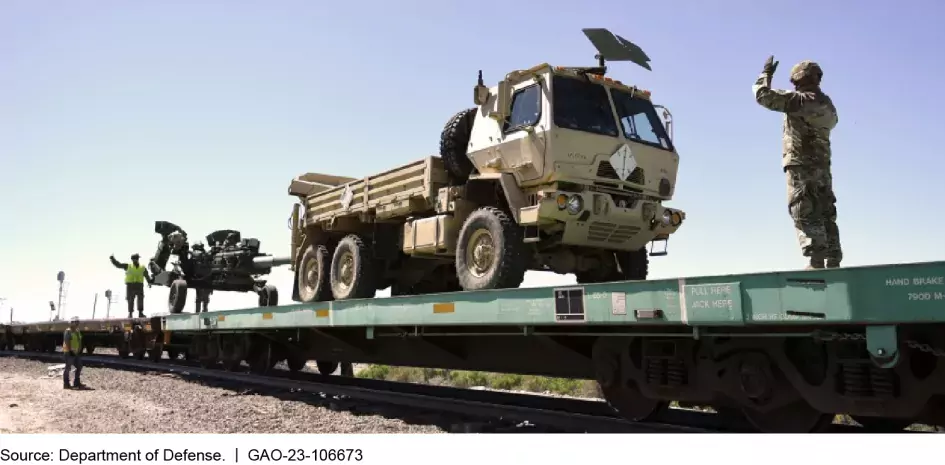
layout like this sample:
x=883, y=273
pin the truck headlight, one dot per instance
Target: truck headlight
x=575, y=204
x=667, y=217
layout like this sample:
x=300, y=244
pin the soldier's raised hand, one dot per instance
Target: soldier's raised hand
x=770, y=66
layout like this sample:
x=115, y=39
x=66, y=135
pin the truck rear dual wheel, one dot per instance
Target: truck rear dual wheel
x=490, y=253
x=353, y=269
x=313, y=274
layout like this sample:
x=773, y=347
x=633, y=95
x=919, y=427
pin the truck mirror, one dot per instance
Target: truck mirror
x=502, y=102
x=667, y=120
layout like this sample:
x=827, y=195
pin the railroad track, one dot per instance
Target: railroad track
x=478, y=409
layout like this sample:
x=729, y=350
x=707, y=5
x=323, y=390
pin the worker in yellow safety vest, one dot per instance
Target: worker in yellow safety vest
x=72, y=352
x=135, y=276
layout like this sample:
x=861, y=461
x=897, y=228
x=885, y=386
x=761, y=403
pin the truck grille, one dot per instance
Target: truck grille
x=612, y=233
x=606, y=170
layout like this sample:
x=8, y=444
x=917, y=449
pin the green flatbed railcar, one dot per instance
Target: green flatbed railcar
x=787, y=350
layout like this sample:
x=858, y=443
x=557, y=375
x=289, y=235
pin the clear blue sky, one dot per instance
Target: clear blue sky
x=115, y=114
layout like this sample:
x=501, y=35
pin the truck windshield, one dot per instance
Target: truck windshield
x=639, y=120
x=582, y=106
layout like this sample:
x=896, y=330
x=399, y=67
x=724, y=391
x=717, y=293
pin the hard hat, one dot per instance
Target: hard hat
x=806, y=69
x=74, y=319
x=134, y=256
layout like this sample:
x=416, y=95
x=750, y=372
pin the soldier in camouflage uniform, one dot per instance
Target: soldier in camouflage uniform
x=809, y=116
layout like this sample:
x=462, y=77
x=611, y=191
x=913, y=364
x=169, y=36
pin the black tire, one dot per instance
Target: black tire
x=507, y=268
x=313, y=275
x=362, y=272
x=177, y=296
x=269, y=296
x=454, y=141
x=634, y=266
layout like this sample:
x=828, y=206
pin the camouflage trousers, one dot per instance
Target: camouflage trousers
x=812, y=206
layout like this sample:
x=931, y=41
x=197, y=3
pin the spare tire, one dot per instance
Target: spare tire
x=453, y=143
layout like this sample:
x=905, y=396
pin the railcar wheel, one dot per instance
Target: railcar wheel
x=295, y=363
x=796, y=417
x=177, y=296
x=173, y=354
x=620, y=392
x=353, y=269
x=269, y=296
x=313, y=274
x=262, y=359
x=326, y=367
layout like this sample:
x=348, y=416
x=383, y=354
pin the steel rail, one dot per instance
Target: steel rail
x=447, y=402
x=567, y=414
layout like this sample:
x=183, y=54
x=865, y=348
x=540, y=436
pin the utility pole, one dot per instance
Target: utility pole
x=94, y=305
x=61, y=277
x=108, y=298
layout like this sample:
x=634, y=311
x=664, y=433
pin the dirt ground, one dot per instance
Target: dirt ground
x=32, y=400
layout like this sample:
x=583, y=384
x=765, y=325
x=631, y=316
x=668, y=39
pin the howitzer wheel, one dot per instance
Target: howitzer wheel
x=269, y=296
x=177, y=297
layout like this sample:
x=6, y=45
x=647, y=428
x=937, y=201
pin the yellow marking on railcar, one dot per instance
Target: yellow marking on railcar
x=321, y=313
x=267, y=316
x=444, y=307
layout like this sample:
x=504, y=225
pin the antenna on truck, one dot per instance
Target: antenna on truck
x=611, y=47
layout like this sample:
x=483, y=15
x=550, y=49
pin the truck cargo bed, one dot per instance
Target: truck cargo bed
x=394, y=193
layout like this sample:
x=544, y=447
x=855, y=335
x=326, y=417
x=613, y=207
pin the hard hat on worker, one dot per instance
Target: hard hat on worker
x=135, y=256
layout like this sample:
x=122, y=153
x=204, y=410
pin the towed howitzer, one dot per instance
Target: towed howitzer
x=228, y=262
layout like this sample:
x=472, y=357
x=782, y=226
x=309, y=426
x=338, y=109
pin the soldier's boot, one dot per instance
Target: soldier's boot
x=833, y=263
x=816, y=262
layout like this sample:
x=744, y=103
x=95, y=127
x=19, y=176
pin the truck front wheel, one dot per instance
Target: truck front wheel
x=312, y=274
x=490, y=253
x=353, y=269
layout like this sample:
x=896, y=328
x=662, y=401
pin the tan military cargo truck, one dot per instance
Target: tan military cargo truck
x=556, y=169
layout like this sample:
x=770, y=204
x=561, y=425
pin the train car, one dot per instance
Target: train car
x=786, y=350
x=132, y=337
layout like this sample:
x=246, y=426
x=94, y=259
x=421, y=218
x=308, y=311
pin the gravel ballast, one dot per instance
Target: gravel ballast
x=32, y=400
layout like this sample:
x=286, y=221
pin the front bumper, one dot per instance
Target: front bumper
x=594, y=219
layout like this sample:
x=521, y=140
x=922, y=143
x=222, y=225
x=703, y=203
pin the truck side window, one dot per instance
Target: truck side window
x=526, y=108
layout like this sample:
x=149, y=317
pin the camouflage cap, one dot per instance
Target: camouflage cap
x=806, y=69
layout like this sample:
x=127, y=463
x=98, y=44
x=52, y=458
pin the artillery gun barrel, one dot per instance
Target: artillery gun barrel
x=269, y=262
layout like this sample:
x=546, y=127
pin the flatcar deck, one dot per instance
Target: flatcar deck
x=889, y=294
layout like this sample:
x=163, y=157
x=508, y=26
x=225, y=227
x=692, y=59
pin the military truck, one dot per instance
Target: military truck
x=556, y=169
